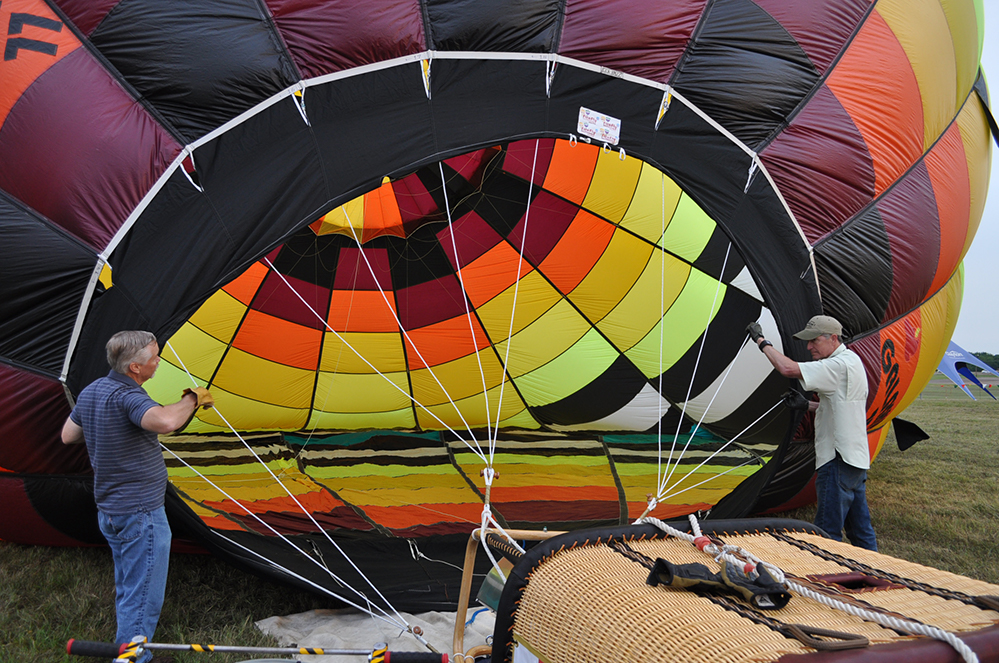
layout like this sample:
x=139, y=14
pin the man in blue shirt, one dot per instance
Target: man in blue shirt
x=120, y=424
x=842, y=457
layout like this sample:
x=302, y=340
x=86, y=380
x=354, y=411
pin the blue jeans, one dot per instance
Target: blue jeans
x=841, y=490
x=140, y=547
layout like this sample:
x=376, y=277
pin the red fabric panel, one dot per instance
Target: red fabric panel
x=414, y=201
x=369, y=271
x=21, y=523
x=549, y=218
x=526, y=155
x=473, y=237
x=821, y=166
x=606, y=33
x=334, y=35
x=276, y=297
x=34, y=409
x=430, y=302
x=80, y=151
x=869, y=350
x=821, y=28
x=948, y=169
x=471, y=166
x=86, y=14
x=909, y=214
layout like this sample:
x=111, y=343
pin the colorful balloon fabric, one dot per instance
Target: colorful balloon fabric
x=429, y=253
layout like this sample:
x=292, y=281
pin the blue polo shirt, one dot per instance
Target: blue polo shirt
x=129, y=472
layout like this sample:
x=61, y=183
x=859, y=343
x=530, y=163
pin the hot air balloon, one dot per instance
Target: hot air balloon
x=447, y=263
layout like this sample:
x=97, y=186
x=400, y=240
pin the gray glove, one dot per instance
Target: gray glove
x=755, y=331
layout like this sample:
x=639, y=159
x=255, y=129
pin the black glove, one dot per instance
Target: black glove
x=795, y=401
x=755, y=331
x=763, y=591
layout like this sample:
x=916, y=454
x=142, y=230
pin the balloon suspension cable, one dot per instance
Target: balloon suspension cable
x=690, y=387
x=468, y=310
x=742, y=559
x=307, y=513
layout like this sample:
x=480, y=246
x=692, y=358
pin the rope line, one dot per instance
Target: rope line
x=728, y=553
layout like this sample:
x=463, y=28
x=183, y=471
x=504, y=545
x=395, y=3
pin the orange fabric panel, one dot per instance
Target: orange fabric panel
x=571, y=170
x=947, y=167
x=900, y=343
x=361, y=311
x=381, y=214
x=499, y=495
x=579, y=249
x=492, y=273
x=444, y=341
x=245, y=286
x=873, y=69
x=666, y=511
x=405, y=516
x=279, y=340
x=27, y=65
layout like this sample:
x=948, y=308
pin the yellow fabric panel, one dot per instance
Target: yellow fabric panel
x=265, y=381
x=978, y=149
x=568, y=372
x=966, y=36
x=348, y=219
x=921, y=29
x=366, y=476
x=473, y=411
x=652, y=295
x=219, y=316
x=689, y=231
x=543, y=340
x=393, y=495
x=534, y=297
x=193, y=348
x=460, y=378
x=344, y=354
x=612, y=186
x=359, y=421
x=653, y=204
x=685, y=321
x=250, y=413
x=613, y=275
x=360, y=393
x=106, y=278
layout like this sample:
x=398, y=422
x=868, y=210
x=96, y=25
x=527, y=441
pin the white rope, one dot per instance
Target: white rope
x=662, y=328
x=728, y=554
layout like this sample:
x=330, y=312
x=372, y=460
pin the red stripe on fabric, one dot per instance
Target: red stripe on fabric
x=549, y=218
x=947, y=166
x=367, y=271
x=21, y=523
x=275, y=297
x=430, y=302
x=472, y=238
x=527, y=156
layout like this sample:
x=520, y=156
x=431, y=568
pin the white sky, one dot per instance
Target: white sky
x=978, y=327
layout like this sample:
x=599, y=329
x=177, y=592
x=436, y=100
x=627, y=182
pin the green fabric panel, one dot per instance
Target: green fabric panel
x=569, y=372
x=689, y=230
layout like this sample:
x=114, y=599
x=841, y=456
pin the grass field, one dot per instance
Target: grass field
x=936, y=504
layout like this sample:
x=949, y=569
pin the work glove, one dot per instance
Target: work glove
x=762, y=592
x=755, y=331
x=205, y=398
x=794, y=400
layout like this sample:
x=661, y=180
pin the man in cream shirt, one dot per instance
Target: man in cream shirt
x=841, y=453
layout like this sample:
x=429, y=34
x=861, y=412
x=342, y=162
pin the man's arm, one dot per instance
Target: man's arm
x=785, y=365
x=164, y=419
x=72, y=433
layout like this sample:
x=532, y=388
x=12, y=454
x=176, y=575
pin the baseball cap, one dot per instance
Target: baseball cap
x=819, y=325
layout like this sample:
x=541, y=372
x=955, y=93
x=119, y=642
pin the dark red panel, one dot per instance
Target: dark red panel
x=32, y=412
x=21, y=523
x=276, y=298
x=430, y=302
x=548, y=220
x=80, y=151
x=472, y=237
x=415, y=202
x=86, y=15
x=869, y=350
x=820, y=28
x=526, y=156
x=329, y=36
x=369, y=271
x=634, y=36
x=470, y=166
x=909, y=213
x=821, y=166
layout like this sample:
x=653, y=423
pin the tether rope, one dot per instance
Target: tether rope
x=728, y=553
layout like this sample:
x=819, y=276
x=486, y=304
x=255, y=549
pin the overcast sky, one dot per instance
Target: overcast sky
x=978, y=327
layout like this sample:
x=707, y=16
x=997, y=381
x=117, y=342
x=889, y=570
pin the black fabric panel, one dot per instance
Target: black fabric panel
x=716, y=254
x=417, y=259
x=726, y=336
x=982, y=90
x=855, y=273
x=771, y=429
x=744, y=70
x=602, y=397
x=311, y=258
x=791, y=475
x=44, y=274
x=66, y=503
x=198, y=63
x=473, y=25
x=907, y=433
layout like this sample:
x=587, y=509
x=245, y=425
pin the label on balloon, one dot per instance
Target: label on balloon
x=600, y=127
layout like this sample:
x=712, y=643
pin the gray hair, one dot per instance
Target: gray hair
x=127, y=346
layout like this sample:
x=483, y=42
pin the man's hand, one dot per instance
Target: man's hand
x=755, y=331
x=205, y=398
x=795, y=401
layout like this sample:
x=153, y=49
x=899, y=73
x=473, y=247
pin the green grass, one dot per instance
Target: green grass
x=936, y=504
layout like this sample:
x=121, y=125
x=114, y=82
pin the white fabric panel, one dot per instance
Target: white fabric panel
x=744, y=282
x=641, y=413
